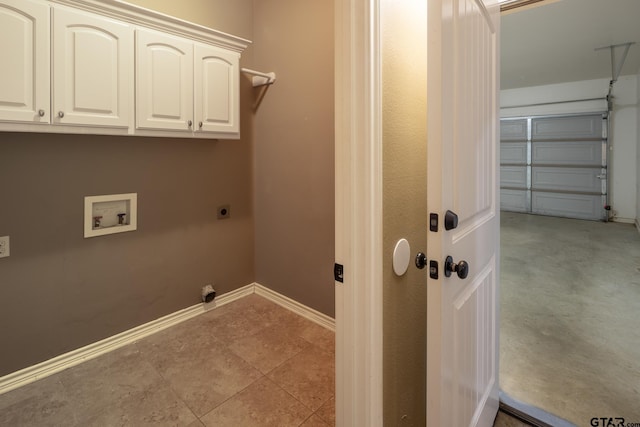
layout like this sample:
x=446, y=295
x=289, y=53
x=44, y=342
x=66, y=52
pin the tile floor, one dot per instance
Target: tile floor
x=248, y=363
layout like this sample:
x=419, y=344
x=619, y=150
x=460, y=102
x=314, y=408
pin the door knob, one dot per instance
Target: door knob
x=461, y=268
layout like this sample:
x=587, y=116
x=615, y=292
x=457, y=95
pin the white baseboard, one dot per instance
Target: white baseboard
x=91, y=351
x=75, y=357
x=624, y=220
x=300, y=309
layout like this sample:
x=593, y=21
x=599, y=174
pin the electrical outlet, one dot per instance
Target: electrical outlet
x=224, y=211
x=4, y=246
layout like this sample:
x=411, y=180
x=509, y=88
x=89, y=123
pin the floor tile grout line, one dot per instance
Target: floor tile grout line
x=234, y=395
x=166, y=381
x=307, y=419
x=308, y=344
x=297, y=399
x=318, y=410
x=287, y=360
x=79, y=416
x=294, y=397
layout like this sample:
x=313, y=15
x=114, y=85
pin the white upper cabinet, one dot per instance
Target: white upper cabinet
x=114, y=68
x=92, y=69
x=217, y=104
x=24, y=73
x=164, y=81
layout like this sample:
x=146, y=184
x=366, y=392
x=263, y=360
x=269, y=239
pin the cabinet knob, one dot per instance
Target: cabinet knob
x=200, y=124
x=61, y=114
x=41, y=113
x=190, y=123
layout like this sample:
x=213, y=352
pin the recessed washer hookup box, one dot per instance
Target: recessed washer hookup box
x=114, y=213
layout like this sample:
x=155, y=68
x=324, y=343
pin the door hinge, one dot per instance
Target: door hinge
x=338, y=272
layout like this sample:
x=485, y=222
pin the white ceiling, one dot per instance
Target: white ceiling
x=555, y=43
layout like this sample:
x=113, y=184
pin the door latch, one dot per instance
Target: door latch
x=433, y=222
x=433, y=269
x=338, y=272
x=421, y=262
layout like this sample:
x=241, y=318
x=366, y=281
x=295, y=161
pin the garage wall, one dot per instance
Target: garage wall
x=623, y=161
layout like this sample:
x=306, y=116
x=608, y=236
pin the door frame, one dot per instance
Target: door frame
x=358, y=213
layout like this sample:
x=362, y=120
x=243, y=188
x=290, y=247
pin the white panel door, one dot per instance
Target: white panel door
x=25, y=70
x=216, y=83
x=463, y=159
x=92, y=69
x=164, y=81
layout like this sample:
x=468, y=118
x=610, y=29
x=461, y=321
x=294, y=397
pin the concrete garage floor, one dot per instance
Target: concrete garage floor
x=570, y=316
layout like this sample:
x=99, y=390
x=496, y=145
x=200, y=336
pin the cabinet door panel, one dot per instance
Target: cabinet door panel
x=92, y=59
x=24, y=74
x=216, y=89
x=164, y=81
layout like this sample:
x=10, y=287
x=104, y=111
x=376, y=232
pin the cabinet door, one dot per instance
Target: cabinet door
x=25, y=69
x=164, y=81
x=216, y=90
x=92, y=69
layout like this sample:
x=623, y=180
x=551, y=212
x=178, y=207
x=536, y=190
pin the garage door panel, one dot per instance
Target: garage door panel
x=514, y=200
x=571, y=127
x=513, y=177
x=513, y=130
x=579, y=180
x=514, y=153
x=586, y=153
x=555, y=165
x=581, y=206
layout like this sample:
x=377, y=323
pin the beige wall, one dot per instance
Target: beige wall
x=229, y=16
x=59, y=291
x=294, y=149
x=404, y=209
